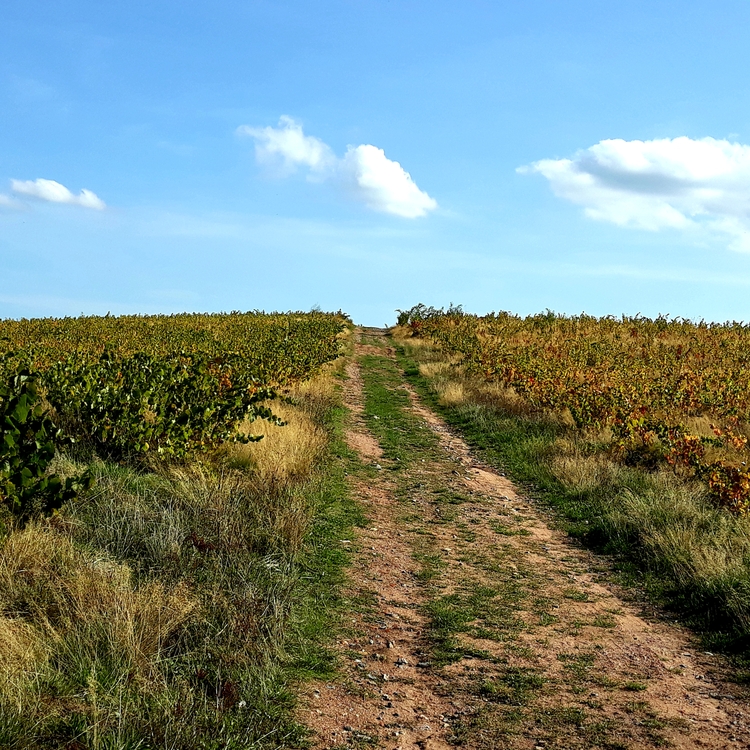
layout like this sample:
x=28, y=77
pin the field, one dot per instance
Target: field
x=163, y=571
x=256, y=530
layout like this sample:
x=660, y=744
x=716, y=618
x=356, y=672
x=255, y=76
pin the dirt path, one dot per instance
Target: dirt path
x=482, y=627
x=385, y=694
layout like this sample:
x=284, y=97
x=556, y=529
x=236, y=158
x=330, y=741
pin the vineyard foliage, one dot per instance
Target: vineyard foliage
x=136, y=387
x=28, y=440
x=275, y=349
x=663, y=392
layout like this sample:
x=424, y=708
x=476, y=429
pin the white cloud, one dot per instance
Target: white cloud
x=678, y=183
x=290, y=145
x=49, y=190
x=365, y=170
x=384, y=185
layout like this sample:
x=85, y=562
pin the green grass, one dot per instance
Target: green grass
x=634, y=686
x=503, y=530
x=515, y=686
x=323, y=562
x=576, y=595
x=403, y=437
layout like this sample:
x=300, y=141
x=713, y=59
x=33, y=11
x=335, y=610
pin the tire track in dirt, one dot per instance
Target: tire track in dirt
x=607, y=676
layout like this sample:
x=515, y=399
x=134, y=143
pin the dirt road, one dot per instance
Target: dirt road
x=475, y=624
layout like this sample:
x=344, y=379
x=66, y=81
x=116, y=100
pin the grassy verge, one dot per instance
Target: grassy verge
x=662, y=531
x=178, y=608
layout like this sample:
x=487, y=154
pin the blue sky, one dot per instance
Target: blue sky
x=578, y=156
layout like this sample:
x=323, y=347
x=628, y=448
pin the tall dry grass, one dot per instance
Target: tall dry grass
x=66, y=611
x=452, y=386
x=150, y=611
x=284, y=453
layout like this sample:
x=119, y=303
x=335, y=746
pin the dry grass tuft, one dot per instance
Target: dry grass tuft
x=581, y=471
x=403, y=332
x=288, y=453
x=21, y=648
x=53, y=595
x=76, y=634
x=318, y=393
x=704, y=545
x=285, y=453
x=452, y=393
x=584, y=473
x=432, y=369
x=237, y=509
x=455, y=388
x=497, y=396
x=416, y=344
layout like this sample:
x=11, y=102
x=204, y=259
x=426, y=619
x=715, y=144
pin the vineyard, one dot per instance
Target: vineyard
x=131, y=388
x=274, y=349
x=161, y=478
x=657, y=392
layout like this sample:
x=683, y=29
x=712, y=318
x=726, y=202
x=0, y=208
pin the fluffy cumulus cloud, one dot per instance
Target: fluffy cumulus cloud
x=677, y=183
x=49, y=190
x=382, y=184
